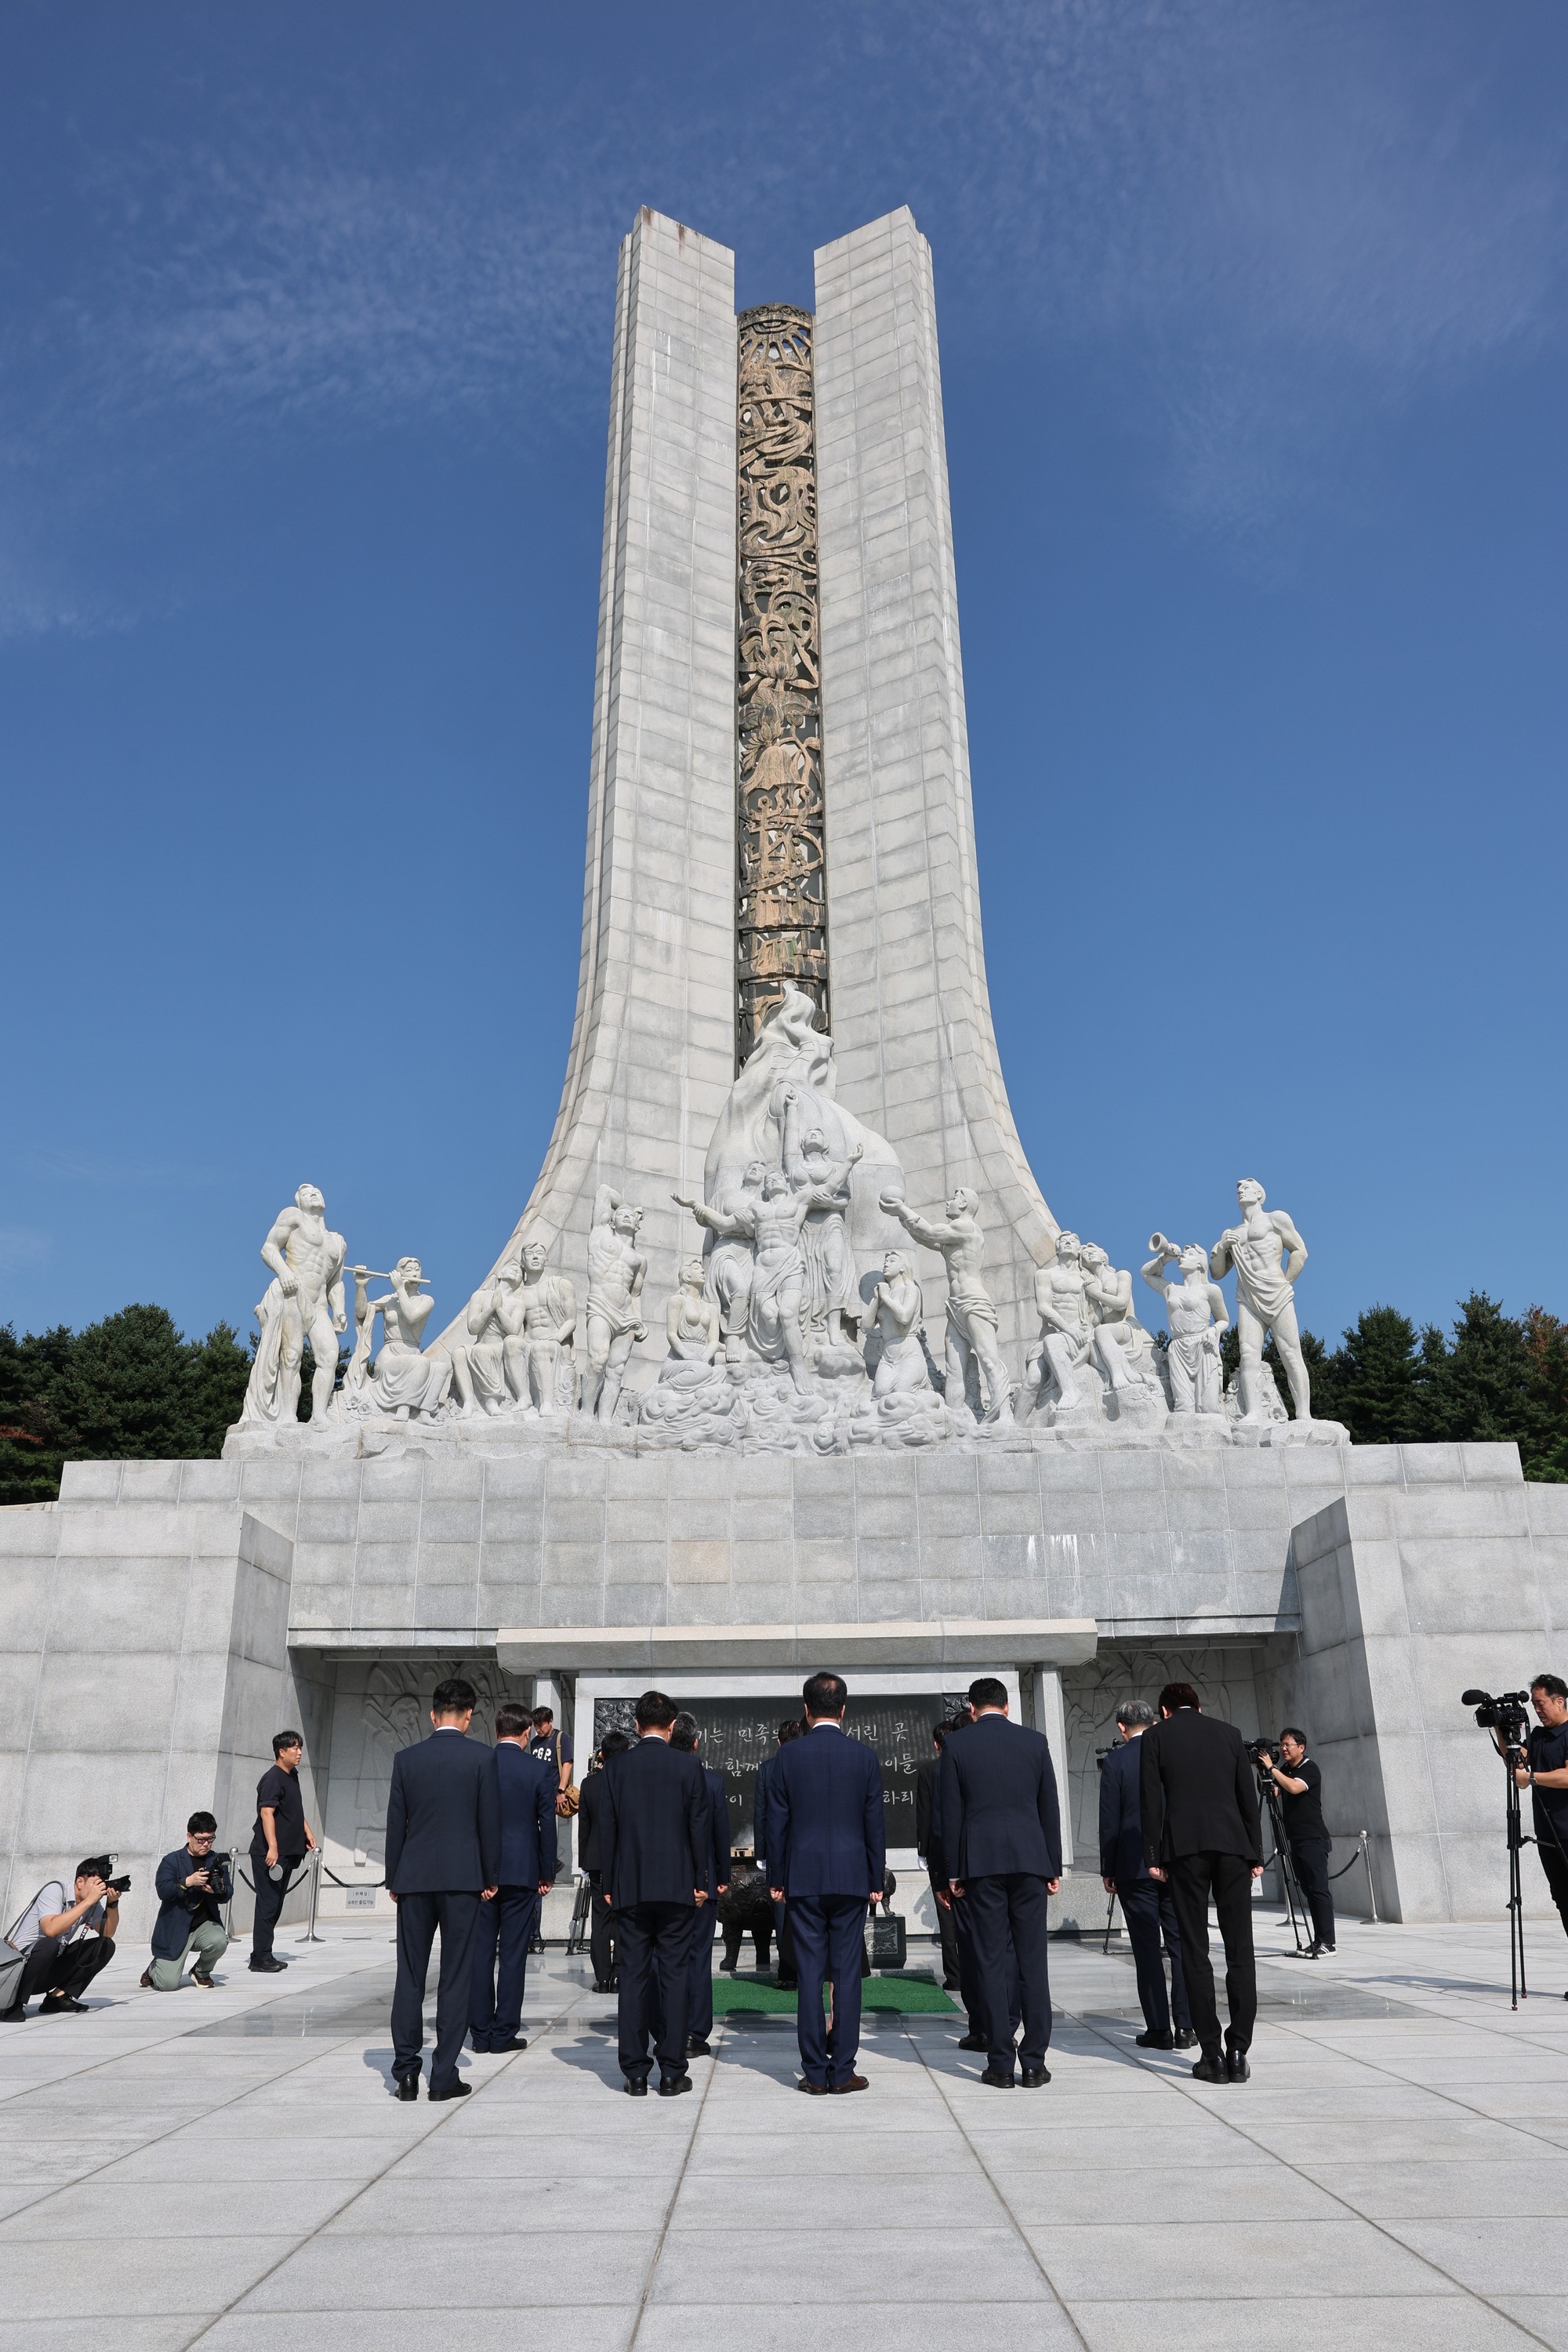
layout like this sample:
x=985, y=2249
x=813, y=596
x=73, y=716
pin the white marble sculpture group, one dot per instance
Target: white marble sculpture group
x=777, y=1341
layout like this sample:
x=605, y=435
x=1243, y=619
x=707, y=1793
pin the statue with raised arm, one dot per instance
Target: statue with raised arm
x=1066, y=1327
x=1198, y=1317
x=494, y=1316
x=401, y=1381
x=1268, y=1254
x=976, y=1377
x=541, y=1362
x=1122, y=1349
x=304, y=1300
x=691, y=1319
x=613, y=1316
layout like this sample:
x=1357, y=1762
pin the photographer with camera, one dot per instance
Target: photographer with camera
x=1545, y=1774
x=194, y=1885
x=1300, y=1784
x=66, y=1944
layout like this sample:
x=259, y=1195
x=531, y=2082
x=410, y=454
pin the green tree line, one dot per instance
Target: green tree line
x=132, y=1388
x=1495, y=1376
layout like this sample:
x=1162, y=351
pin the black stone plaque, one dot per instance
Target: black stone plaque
x=737, y=1733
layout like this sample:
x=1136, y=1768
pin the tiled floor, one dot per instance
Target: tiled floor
x=230, y=2168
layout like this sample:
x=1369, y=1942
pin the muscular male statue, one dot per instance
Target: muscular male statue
x=971, y=1316
x=1265, y=1297
x=540, y=1364
x=304, y=1300
x=1198, y=1317
x=1067, y=1322
x=613, y=1315
x=494, y=1316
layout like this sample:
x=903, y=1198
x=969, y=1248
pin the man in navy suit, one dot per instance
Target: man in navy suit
x=683, y=1738
x=655, y=1842
x=1000, y=1832
x=526, y=1791
x=826, y=1858
x=443, y=1854
x=1147, y=1906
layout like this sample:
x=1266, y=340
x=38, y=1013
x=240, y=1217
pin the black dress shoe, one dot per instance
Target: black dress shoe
x=1154, y=2040
x=269, y=1968
x=951, y=1984
x=452, y=2091
x=499, y=2049
x=996, y=2081
x=786, y=1984
x=819, y=2090
x=408, y=2086
x=974, y=2041
x=17, y=2015
x=697, y=2048
x=1209, y=2069
x=59, y=2005
x=850, y=2083
x=606, y=1987
x=636, y=2086
x=1186, y=2039
x=1034, y=2078
x=1237, y=2069
x=671, y=2086
x=728, y=1967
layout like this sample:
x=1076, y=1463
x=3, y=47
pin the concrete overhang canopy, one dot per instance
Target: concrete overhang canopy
x=687, y=1649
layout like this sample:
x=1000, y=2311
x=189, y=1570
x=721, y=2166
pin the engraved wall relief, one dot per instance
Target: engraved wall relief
x=781, y=898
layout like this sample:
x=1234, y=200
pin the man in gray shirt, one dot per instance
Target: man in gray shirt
x=65, y=1943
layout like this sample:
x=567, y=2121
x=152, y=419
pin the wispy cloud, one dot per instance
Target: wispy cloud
x=1269, y=225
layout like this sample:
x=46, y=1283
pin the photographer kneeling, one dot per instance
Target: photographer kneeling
x=1300, y=1784
x=192, y=1885
x=65, y=1943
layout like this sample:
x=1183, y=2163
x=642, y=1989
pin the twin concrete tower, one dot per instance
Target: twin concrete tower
x=780, y=768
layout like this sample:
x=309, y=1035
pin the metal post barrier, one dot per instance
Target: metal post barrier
x=309, y=1936
x=1371, y=1883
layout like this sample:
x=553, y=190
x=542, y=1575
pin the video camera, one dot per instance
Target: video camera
x=1258, y=1750
x=1507, y=1714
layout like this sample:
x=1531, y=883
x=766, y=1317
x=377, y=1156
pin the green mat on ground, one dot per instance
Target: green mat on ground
x=736, y=1998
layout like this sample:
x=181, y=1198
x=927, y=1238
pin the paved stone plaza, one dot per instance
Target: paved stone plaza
x=230, y=2168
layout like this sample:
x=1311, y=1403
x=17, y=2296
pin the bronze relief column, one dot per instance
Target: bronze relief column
x=781, y=929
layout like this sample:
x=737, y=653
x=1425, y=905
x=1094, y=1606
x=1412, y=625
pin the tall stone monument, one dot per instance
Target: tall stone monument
x=779, y=777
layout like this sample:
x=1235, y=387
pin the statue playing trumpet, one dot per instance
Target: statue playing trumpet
x=1198, y=1317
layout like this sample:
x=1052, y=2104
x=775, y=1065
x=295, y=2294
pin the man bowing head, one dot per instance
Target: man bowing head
x=826, y=1859
x=655, y=1840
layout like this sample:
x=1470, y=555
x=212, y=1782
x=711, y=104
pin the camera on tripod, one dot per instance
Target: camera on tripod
x=1507, y=1714
x=1263, y=1753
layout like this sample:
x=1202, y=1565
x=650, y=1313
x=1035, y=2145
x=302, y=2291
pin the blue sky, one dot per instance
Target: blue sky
x=1253, y=340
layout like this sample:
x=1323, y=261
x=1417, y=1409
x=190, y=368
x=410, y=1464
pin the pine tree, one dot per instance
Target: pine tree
x=129, y=1390
x=1544, y=1451
x=1480, y=1386
x=1378, y=1379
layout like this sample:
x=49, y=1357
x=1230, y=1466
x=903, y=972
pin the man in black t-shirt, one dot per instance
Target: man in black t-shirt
x=279, y=1844
x=1546, y=1777
x=1300, y=1784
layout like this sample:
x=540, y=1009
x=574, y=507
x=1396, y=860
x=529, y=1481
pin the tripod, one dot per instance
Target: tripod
x=1512, y=1756
x=1294, y=1901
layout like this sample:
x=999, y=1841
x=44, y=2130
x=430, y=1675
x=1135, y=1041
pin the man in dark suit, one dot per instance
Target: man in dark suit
x=826, y=1858
x=1198, y=1794
x=925, y=1790
x=1148, y=1907
x=655, y=1833
x=601, y=1936
x=1000, y=1832
x=684, y=1738
x=443, y=1854
x=526, y=1793
x=785, y=1976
